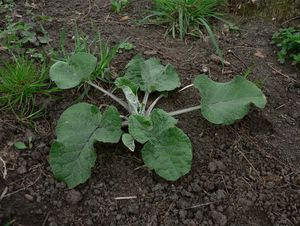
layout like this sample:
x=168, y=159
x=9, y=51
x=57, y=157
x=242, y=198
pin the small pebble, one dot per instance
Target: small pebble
x=29, y=197
x=73, y=197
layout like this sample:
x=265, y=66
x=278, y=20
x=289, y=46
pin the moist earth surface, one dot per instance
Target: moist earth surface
x=244, y=174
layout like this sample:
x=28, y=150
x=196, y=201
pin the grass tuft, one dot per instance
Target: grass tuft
x=186, y=17
x=20, y=82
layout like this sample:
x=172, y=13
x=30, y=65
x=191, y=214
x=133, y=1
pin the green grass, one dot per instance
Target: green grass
x=118, y=5
x=105, y=55
x=288, y=40
x=96, y=46
x=20, y=82
x=186, y=17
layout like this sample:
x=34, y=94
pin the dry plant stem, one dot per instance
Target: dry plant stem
x=280, y=73
x=4, y=173
x=153, y=105
x=126, y=198
x=24, y=188
x=3, y=193
x=112, y=96
x=183, y=111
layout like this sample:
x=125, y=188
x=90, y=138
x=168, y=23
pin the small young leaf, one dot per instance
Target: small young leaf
x=72, y=155
x=124, y=82
x=126, y=46
x=144, y=128
x=132, y=100
x=128, y=141
x=170, y=155
x=69, y=74
x=20, y=145
x=224, y=103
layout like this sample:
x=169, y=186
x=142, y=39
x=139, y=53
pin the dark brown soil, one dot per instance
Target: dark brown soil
x=244, y=174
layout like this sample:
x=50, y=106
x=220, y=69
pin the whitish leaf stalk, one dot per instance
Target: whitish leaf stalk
x=145, y=101
x=183, y=111
x=186, y=87
x=112, y=96
x=153, y=104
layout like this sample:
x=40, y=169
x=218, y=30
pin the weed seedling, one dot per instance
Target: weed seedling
x=22, y=146
x=6, y=6
x=288, y=40
x=166, y=148
x=118, y=5
x=20, y=37
x=125, y=46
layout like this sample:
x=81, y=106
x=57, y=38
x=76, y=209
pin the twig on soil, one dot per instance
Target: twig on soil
x=224, y=182
x=126, y=198
x=12, y=126
x=280, y=73
x=237, y=57
x=245, y=157
x=46, y=218
x=287, y=21
x=243, y=178
x=4, y=172
x=3, y=193
x=89, y=10
x=169, y=209
x=201, y=205
x=24, y=188
x=140, y=167
x=281, y=106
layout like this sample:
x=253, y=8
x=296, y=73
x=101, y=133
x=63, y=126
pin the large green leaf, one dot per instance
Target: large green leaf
x=144, y=128
x=149, y=76
x=170, y=155
x=72, y=155
x=167, y=149
x=224, y=103
x=78, y=68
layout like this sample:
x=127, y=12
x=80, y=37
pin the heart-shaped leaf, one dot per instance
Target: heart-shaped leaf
x=146, y=128
x=69, y=74
x=167, y=149
x=170, y=155
x=72, y=155
x=149, y=76
x=224, y=103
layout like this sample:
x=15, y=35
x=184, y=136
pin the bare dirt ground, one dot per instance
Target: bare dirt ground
x=244, y=174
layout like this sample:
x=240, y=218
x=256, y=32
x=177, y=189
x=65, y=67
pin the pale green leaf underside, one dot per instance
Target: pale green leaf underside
x=72, y=155
x=149, y=76
x=170, y=155
x=128, y=141
x=69, y=74
x=224, y=103
x=146, y=128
